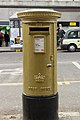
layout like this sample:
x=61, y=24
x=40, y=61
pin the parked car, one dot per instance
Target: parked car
x=71, y=40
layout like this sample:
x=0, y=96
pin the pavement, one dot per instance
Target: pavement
x=11, y=117
x=8, y=49
x=5, y=49
x=62, y=116
x=69, y=116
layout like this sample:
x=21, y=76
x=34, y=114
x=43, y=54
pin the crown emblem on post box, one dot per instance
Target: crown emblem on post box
x=39, y=77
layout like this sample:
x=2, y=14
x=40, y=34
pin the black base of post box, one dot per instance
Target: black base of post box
x=40, y=108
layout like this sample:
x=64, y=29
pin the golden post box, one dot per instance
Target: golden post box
x=40, y=96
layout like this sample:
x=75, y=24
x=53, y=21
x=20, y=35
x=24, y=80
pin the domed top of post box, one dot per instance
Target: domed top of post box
x=39, y=15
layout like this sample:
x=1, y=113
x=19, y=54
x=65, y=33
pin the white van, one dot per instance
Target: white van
x=71, y=40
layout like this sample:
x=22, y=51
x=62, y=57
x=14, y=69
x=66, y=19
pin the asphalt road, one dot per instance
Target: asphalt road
x=68, y=66
x=68, y=75
x=69, y=81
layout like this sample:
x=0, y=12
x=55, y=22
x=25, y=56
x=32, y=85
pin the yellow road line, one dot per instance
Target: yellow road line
x=10, y=84
x=63, y=83
x=59, y=83
x=67, y=82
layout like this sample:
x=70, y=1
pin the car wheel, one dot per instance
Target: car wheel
x=72, y=48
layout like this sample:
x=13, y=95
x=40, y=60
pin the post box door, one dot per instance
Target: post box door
x=40, y=59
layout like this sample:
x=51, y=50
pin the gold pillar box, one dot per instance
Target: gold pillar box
x=39, y=53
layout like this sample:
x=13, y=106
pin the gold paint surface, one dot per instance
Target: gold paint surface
x=39, y=68
x=39, y=15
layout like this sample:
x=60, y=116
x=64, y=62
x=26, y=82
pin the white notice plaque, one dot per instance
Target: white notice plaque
x=39, y=44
